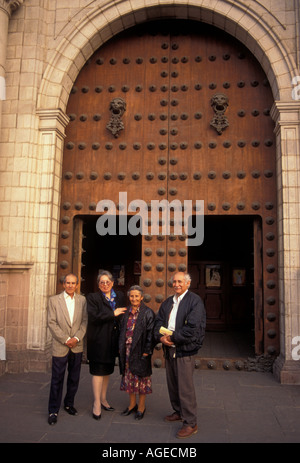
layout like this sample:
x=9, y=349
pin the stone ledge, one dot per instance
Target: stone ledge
x=18, y=267
x=27, y=360
x=287, y=371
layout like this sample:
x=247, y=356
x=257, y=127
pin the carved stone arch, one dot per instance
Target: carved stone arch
x=99, y=25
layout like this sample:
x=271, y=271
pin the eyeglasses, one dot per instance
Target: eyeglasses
x=105, y=283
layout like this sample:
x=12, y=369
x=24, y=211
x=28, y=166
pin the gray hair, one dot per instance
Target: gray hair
x=135, y=288
x=187, y=277
x=104, y=272
x=69, y=274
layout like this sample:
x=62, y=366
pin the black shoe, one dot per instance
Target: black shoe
x=52, y=418
x=71, y=410
x=108, y=409
x=96, y=417
x=128, y=412
x=139, y=415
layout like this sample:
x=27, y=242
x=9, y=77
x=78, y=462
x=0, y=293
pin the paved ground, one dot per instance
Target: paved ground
x=233, y=407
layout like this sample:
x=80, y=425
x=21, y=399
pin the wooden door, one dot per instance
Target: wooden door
x=195, y=126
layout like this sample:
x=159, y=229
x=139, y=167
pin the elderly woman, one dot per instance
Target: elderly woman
x=135, y=347
x=104, y=309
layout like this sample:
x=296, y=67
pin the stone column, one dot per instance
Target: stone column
x=52, y=124
x=287, y=119
x=6, y=9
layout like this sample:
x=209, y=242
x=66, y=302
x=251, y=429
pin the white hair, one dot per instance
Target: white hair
x=187, y=277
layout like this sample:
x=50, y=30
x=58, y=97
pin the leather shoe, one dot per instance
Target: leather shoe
x=139, y=415
x=174, y=417
x=186, y=431
x=71, y=410
x=108, y=409
x=96, y=417
x=128, y=412
x=52, y=418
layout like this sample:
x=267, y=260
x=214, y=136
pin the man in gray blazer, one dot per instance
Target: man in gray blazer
x=67, y=321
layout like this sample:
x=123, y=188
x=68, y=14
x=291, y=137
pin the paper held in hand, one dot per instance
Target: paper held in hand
x=164, y=331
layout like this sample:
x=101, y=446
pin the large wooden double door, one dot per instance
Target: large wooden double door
x=171, y=110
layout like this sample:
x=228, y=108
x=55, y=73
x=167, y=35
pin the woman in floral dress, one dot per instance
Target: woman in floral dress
x=135, y=344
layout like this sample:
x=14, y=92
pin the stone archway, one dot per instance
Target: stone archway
x=167, y=72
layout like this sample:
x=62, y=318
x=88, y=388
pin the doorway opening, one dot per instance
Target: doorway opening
x=226, y=272
x=222, y=271
x=120, y=255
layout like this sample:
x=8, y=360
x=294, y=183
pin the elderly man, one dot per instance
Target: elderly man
x=67, y=321
x=180, y=327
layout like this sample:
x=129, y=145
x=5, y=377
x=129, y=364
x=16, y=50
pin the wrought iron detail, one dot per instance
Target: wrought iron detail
x=219, y=103
x=117, y=108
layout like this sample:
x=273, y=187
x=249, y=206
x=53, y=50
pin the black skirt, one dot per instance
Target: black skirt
x=101, y=369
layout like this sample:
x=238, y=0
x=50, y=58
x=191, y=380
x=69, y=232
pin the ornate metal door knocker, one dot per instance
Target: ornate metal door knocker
x=219, y=103
x=117, y=108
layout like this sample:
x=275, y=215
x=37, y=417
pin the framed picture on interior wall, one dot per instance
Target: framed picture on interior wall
x=213, y=275
x=118, y=273
x=239, y=277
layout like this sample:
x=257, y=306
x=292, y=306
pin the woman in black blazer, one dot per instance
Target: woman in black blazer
x=135, y=346
x=104, y=309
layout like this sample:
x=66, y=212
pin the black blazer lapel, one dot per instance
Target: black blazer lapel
x=168, y=310
x=106, y=302
x=138, y=329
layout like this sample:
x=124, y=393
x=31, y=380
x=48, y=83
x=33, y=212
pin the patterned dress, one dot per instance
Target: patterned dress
x=130, y=383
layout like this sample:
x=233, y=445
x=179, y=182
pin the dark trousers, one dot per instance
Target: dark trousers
x=59, y=365
x=181, y=387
